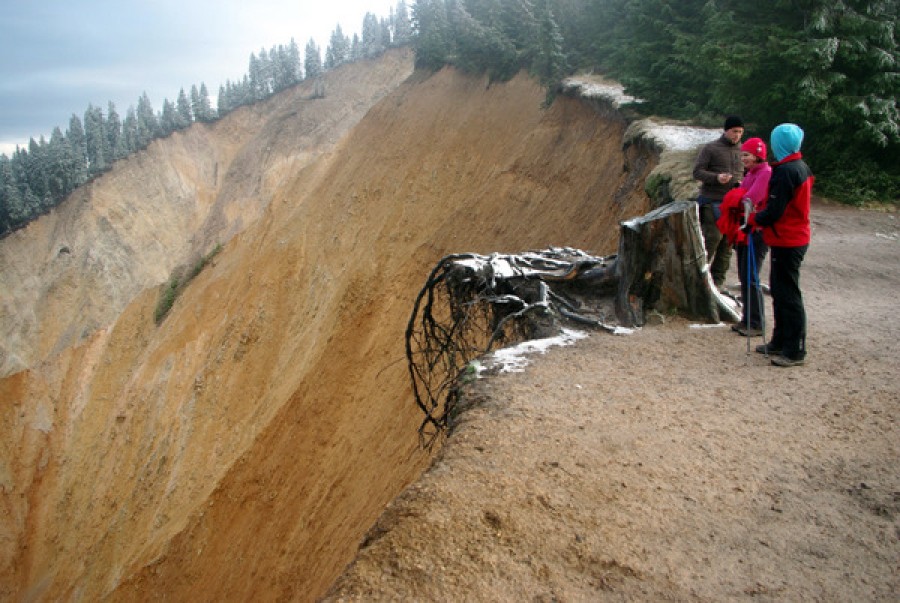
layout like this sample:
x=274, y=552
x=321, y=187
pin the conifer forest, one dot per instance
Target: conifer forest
x=830, y=66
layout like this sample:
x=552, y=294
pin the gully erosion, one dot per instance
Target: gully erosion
x=241, y=448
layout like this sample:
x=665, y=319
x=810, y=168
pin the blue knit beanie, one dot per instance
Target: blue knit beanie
x=785, y=140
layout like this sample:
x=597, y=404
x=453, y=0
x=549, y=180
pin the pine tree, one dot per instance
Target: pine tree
x=403, y=32
x=256, y=78
x=659, y=63
x=266, y=74
x=196, y=107
x=223, y=105
x=294, y=63
x=372, y=44
x=203, y=109
x=114, y=141
x=595, y=32
x=857, y=76
x=434, y=44
x=12, y=204
x=518, y=23
x=280, y=68
x=130, y=132
x=30, y=205
x=846, y=97
x=96, y=140
x=384, y=28
x=147, y=123
x=243, y=93
x=36, y=176
x=183, y=107
x=168, y=118
x=480, y=47
x=57, y=166
x=338, y=51
x=9, y=196
x=550, y=63
x=313, y=62
x=77, y=150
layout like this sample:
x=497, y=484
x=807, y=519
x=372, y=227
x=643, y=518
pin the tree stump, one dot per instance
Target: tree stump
x=661, y=265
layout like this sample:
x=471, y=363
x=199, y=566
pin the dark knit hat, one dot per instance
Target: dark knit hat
x=733, y=121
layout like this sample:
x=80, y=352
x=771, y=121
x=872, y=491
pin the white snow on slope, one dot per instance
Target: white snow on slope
x=670, y=137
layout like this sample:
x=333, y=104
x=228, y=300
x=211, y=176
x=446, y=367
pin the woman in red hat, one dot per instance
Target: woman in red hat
x=753, y=192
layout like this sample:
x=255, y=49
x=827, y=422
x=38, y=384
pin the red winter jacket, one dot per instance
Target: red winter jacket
x=785, y=219
x=731, y=216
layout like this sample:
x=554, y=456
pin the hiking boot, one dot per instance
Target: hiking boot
x=768, y=348
x=751, y=332
x=784, y=361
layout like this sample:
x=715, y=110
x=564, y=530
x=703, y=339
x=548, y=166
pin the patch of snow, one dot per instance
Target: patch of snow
x=512, y=359
x=670, y=137
x=680, y=138
x=502, y=267
x=707, y=326
x=615, y=93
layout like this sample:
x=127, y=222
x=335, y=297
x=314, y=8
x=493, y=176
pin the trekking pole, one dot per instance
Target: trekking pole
x=762, y=311
x=751, y=265
x=756, y=294
x=748, y=278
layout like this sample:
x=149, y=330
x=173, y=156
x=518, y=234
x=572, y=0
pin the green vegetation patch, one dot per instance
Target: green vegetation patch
x=178, y=282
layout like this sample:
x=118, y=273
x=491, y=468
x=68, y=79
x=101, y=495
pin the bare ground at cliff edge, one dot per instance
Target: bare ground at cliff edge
x=672, y=465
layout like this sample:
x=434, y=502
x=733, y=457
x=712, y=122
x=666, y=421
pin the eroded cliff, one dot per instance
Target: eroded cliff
x=241, y=449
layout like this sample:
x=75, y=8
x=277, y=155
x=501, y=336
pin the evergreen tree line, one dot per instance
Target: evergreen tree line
x=36, y=179
x=829, y=65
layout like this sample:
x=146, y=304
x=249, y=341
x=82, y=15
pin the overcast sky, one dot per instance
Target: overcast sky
x=57, y=56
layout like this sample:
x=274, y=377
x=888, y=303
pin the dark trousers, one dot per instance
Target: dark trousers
x=718, y=250
x=751, y=294
x=787, y=301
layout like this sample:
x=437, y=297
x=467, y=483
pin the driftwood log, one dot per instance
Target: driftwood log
x=472, y=303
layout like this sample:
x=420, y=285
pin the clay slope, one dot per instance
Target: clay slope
x=241, y=450
x=73, y=271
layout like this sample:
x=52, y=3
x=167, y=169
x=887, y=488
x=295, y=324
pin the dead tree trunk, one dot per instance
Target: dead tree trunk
x=662, y=266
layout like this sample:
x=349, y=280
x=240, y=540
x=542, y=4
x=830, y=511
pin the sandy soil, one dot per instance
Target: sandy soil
x=673, y=465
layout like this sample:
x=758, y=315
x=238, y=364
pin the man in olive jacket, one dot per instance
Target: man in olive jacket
x=719, y=169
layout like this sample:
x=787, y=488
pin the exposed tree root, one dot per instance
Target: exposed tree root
x=472, y=303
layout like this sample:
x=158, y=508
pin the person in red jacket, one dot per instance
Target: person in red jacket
x=753, y=194
x=786, y=230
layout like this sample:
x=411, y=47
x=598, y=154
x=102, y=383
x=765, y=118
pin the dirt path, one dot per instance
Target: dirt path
x=671, y=465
